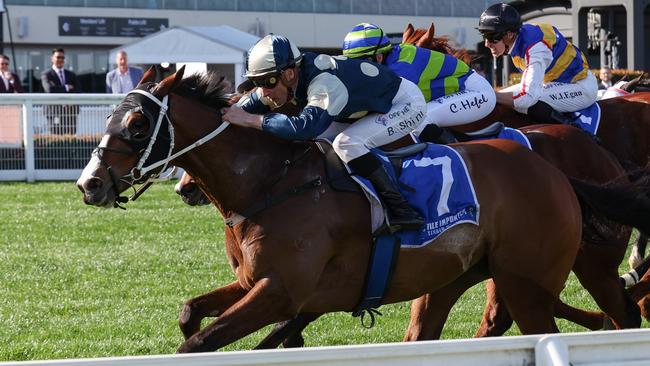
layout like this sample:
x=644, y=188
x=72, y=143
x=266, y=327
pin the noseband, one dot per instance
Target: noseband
x=141, y=174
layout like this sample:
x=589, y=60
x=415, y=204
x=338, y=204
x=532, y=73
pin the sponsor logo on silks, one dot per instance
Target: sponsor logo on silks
x=381, y=120
x=468, y=104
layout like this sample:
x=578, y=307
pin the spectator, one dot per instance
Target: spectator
x=123, y=78
x=62, y=119
x=10, y=83
x=605, y=78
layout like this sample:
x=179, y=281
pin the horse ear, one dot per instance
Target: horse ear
x=148, y=76
x=428, y=36
x=408, y=31
x=169, y=83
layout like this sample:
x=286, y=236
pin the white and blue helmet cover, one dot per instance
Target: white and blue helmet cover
x=271, y=54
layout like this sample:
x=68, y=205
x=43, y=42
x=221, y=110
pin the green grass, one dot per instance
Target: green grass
x=78, y=281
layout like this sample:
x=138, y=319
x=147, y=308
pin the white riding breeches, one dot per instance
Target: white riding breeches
x=476, y=101
x=373, y=130
x=565, y=97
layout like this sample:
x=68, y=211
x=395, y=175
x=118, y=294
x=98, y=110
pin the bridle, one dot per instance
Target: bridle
x=145, y=175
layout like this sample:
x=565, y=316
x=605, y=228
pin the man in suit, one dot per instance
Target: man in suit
x=9, y=82
x=605, y=78
x=62, y=119
x=123, y=78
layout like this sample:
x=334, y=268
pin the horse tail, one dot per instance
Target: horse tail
x=625, y=203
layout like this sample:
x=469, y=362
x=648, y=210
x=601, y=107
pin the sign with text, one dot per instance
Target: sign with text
x=110, y=27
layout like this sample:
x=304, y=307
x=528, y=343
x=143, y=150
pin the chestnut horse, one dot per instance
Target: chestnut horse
x=627, y=138
x=315, y=258
x=596, y=265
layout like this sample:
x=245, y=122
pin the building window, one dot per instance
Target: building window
x=147, y=4
x=64, y=2
x=398, y=7
x=254, y=5
x=216, y=5
x=295, y=6
x=180, y=4
x=25, y=2
x=365, y=7
x=437, y=8
x=333, y=6
x=105, y=3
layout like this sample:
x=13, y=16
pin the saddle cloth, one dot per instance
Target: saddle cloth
x=588, y=119
x=435, y=182
x=508, y=133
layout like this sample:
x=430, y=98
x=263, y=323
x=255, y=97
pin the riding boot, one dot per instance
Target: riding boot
x=401, y=216
x=437, y=135
x=542, y=112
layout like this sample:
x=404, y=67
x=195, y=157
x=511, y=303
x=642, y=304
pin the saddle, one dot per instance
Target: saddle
x=337, y=175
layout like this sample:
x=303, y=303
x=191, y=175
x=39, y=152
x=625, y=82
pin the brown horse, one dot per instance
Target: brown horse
x=627, y=138
x=596, y=266
x=313, y=260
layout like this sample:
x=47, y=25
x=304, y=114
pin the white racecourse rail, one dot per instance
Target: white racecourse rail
x=50, y=136
x=620, y=348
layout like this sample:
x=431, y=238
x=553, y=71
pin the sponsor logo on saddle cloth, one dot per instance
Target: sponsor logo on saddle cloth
x=436, y=183
x=588, y=119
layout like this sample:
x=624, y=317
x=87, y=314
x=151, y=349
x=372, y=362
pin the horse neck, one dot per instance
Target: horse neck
x=234, y=167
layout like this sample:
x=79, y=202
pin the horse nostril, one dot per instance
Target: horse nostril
x=92, y=184
x=188, y=189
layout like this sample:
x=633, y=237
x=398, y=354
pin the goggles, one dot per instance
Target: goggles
x=267, y=81
x=493, y=37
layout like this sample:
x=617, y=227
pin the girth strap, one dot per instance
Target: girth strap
x=385, y=250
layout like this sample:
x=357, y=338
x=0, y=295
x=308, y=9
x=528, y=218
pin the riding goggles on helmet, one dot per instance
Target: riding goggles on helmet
x=493, y=37
x=266, y=81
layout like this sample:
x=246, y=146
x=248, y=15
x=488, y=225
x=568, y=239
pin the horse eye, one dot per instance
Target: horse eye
x=137, y=127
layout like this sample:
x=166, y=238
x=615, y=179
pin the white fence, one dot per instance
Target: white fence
x=50, y=136
x=614, y=348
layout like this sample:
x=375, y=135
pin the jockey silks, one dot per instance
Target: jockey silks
x=435, y=73
x=569, y=63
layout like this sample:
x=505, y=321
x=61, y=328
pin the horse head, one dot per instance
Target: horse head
x=426, y=38
x=138, y=134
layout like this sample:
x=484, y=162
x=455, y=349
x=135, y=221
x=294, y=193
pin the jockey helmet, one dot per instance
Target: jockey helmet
x=270, y=55
x=365, y=39
x=498, y=19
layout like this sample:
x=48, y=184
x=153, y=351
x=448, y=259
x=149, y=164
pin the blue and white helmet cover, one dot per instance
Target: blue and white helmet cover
x=271, y=54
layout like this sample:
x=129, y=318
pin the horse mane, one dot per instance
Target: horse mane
x=425, y=38
x=208, y=88
x=638, y=84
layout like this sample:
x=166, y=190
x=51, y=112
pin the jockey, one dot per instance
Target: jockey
x=555, y=74
x=455, y=94
x=375, y=106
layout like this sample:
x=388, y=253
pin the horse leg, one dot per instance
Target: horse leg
x=592, y=320
x=288, y=332
x=430, y=311
x=531, y=306
x=638, y=251
x=597, y=270
x=266, y=303
x=211, y=304
x=496, y=318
